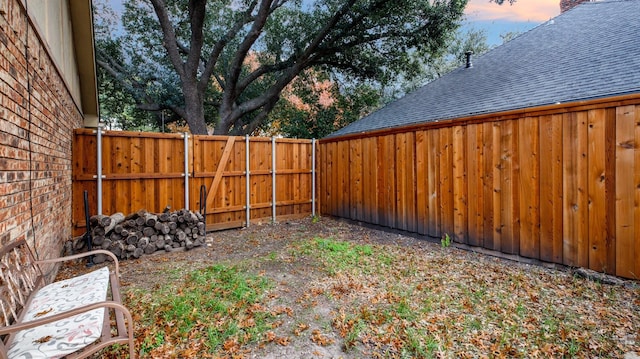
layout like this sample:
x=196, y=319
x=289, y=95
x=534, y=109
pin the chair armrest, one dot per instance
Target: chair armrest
x=16, y=327
x=82, y=255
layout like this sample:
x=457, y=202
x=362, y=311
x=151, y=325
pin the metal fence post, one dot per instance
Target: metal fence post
x=186, y=170
x=313, y=177
x=99, y=169
x=273, y=179
x=248, y=182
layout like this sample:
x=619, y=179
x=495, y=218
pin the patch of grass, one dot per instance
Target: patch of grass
x=338, y=255
x=216, y=309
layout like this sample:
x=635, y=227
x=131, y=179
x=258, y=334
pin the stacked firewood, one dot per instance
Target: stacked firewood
x=143, y=232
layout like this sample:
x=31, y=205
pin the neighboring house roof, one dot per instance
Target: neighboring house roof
x=591, y=51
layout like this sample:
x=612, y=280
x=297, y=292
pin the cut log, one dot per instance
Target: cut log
x=150, y=219
x=138, y=252
x=115, y=219
x=148, y=231
x=160, y=243
x=143, y=242
x=99, y=231
x=150, y=249
x=98, y=240
x=132, y=239
x=100, y=220
x=106, y=244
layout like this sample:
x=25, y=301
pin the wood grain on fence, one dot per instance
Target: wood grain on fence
x=560, y=185
x=147, y=171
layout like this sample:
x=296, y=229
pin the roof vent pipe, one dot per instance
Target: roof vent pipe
x=469, y=64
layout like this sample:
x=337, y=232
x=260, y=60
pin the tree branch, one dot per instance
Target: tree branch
x=169, y=36
x=222, y=42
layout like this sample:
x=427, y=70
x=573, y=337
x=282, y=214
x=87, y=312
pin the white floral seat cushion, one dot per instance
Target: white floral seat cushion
x=57, y=339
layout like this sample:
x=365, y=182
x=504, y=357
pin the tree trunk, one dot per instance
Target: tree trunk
x=194, y=108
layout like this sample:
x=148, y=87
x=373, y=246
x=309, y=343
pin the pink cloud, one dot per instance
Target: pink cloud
x=521, y=10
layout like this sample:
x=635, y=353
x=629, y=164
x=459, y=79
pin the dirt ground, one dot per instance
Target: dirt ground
x=266, y=250
x=293, y=278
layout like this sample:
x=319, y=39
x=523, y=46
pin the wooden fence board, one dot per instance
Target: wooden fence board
x=597, y=191
x=434, y=228
x=474, y=183
x=529, y=187
x=636, y=226
x=625, y=192
x=405, y=192
x=386, y=180
x=459, y=168
x=509, y=196
x=575, y=229
x=446, y=180
x=488, y=210
x=495, y=242
x=370, y=179
x=551, y=243
x=583, y=198
x=355, y=178
x=344, y=186
x=422, y=205
x=146, y=171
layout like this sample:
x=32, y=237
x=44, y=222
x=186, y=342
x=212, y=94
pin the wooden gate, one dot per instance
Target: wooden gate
x=233, y=180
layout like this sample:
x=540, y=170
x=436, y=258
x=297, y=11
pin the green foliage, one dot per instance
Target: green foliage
x=445, y=241
x=214, y=305
x=338, y=255
x=224, y=63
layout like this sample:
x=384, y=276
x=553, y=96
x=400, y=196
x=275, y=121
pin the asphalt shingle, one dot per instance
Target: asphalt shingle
x=591, y=51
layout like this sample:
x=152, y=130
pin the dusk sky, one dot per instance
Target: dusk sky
x=494, y=19
x=522, y=16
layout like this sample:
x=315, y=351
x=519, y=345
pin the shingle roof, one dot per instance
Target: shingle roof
x=591, y=51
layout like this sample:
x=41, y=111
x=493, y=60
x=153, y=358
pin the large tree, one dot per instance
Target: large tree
x=228, y=61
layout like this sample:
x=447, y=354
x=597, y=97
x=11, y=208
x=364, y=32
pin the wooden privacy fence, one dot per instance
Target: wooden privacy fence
x=561, y=186
x=236, y=179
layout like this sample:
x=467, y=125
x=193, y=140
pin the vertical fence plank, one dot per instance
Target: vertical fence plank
x=410, y=193
x=625, y=192
x=529, y=187
x=551, y=243
x=570, y=189
x=498, y=169
x=636, y=208
x=509, y=204
x=597, y=192
x=583, y=198
x=421, y=182
x=386, y=181
x=488, y=170
x=355, y=179
x=369, y=180
x=575, y=229
x=475, y=194
x=405, y=182
x=434, y=228
x=446, y=180
x=400, y=217
x=459, y=170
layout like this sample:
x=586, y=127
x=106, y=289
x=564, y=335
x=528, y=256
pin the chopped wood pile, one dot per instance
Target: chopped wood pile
x=143, y=232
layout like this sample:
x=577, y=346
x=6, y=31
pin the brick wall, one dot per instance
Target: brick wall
x=568, y=4
x=36, y=128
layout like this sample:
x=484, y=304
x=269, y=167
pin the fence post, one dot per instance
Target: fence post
x=186, y=170
x=273, y=179
x=248, y=182
x=99, y=170
x=313, y=177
